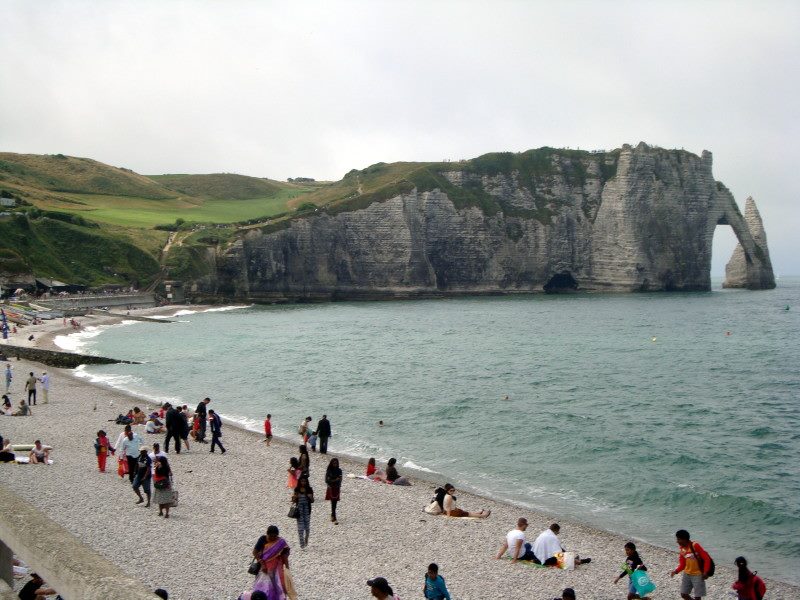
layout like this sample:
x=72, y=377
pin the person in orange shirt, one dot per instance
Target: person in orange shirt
x=695, y=563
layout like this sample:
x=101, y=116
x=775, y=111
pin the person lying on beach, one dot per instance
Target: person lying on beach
x=392, y=476
x=39, y=455
x=450, y=509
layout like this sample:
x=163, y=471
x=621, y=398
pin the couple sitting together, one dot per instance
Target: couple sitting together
x=444, y=503
x=544, y=550
x=390, y=475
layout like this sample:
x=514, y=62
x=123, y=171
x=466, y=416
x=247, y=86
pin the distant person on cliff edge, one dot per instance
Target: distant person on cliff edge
x=200, y=411
x=324, y=432
x=216, y=430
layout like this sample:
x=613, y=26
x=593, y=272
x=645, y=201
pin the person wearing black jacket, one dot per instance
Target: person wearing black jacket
x=200, y=411
x=323, y=432
x=216, y=430
x=175, y=424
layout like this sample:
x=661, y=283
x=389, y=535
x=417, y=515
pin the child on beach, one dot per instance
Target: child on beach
x=632, y=563
x=101, y=448
x=435, y=588
x=312, y=441
x=293, y=470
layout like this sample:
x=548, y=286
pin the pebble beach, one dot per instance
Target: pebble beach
x=227, y=501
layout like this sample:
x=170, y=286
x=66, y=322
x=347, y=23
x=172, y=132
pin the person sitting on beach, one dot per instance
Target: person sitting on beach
x=6, y=408
x=547, y=545
x=381, y=589
x=35, y=589
x=6, y=451
x=153, y=426
x=392, y=476
x=23, y=411
x=449, y=505
x=515, y=545
x=39, y=454
x=138, y=416
x=371, y=468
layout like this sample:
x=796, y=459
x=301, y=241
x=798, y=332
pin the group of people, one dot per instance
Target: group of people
x=39, y=454
x=33, y=385
x=388, y=475
x=309, y=435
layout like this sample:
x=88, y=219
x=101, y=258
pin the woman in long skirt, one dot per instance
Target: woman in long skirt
x=162, y=482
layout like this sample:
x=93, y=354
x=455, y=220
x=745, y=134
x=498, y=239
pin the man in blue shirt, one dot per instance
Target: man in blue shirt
x=434, y=588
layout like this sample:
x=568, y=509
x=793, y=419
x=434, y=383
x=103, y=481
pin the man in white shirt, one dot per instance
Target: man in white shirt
x=130, y=449
x=547, y=545
x=515, y=544
x=45, y=380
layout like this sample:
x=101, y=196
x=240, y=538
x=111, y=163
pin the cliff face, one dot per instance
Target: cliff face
x=631, y=220
x=742, y=271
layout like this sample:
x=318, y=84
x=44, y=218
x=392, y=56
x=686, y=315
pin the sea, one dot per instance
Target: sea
x=639, y=414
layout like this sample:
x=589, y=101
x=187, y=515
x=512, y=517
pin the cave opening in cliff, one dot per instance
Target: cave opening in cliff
x=561, y=283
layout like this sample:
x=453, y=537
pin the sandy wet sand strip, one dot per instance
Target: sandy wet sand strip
x=227, y=501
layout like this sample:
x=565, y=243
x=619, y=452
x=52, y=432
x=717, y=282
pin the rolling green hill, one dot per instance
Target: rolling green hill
x=222, y=186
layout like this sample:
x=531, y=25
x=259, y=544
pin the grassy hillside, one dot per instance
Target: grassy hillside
x=121, y=197
x=222, y=186
x=61, y=173
x=50, y=247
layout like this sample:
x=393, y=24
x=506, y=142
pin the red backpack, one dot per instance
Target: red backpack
x=759, y=587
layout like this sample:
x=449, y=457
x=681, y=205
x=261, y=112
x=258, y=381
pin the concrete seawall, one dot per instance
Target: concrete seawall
x=76, y=571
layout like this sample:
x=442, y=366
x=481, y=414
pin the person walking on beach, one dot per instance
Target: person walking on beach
x=9, y=377
x=305, y=461
x=175, y=424
x=216, y=430
x=45, y=380
x=30, y=387
x=130, y=450
x=101, y=448
x=268, y=430
x=200, y=411
x=633, y=562
x=274, y=579
x=435, y=588
x=748, y=585
x=333, y=479
x=162, y=482
x=515, y=544
x=184, y=412
x=303, y=429
x=144, y=473
x=695, y=563
x=324, y=433
x=303, y=497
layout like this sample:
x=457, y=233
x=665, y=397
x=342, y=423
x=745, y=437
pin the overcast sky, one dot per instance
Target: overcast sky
x=287, y=89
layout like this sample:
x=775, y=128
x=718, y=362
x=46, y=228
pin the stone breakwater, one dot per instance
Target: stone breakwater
x=226, y=502
x=55, y=358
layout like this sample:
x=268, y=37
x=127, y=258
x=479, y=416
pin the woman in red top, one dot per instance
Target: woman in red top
x=101, y=448
x=162, y=482
x=748, y=585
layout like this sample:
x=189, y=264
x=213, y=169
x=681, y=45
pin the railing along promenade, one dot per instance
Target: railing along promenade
x=68, y=565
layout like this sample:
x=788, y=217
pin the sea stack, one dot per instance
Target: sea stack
x=754, y=271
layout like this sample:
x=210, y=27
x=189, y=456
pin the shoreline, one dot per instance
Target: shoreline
x=333, y=566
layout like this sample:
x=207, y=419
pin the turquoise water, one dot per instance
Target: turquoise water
x=634, y=413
